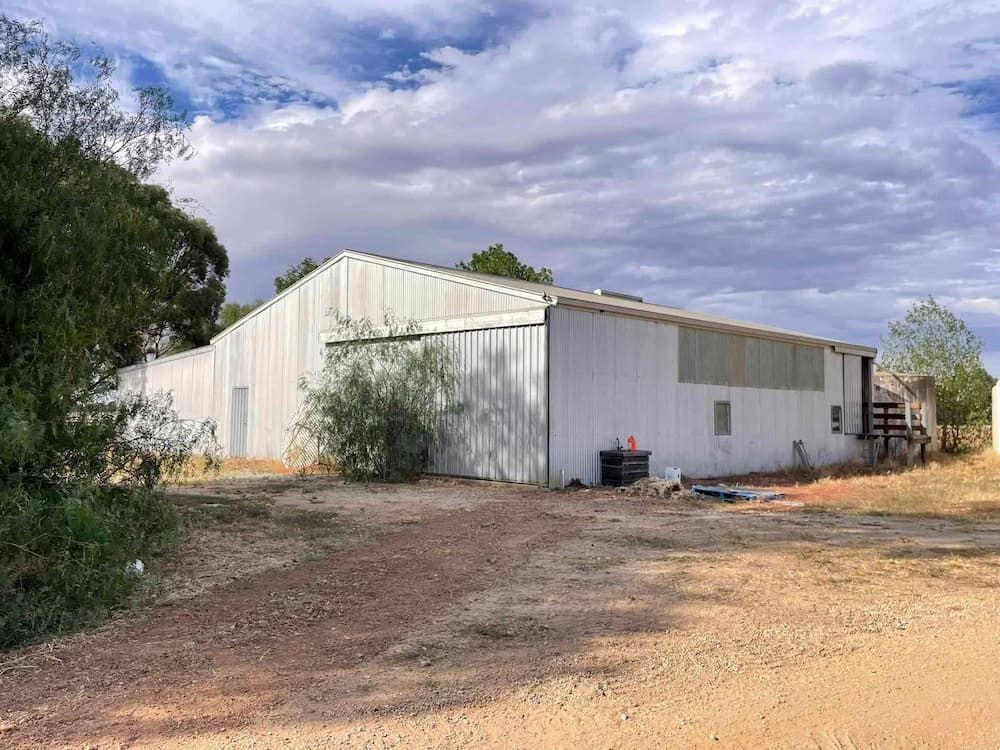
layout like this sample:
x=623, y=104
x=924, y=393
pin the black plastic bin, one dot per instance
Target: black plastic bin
x=621, y=467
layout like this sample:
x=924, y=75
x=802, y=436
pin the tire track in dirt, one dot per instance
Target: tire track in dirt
x=221, y=659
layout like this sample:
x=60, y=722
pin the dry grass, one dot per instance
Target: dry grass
x=966, y=486
x=199, y=470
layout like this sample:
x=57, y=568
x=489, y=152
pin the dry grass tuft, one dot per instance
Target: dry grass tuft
x=965, y=486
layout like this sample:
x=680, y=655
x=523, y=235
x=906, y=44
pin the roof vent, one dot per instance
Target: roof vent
x=619, y=295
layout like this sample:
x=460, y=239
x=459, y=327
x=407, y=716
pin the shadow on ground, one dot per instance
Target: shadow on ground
x=466, y=605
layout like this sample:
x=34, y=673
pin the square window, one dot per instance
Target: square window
x=836, y=418
x=723, y=418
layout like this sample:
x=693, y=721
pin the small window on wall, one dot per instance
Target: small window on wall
x=836, y=418
x=723, y=418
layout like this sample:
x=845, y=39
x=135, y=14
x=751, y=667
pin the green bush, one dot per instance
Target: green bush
x=68, y=529
x=64, y=550
x=96, y=269
x=377, y=407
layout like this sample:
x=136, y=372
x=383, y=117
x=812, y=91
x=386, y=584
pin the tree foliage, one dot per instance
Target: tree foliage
x=66, y=538
x=295, y=272
x=188, y=291
x=72, y=105
x=932, y=340
x=91, y=261
x=497, y=261
x=41, y=82
x=376, y=408
x=234, y=311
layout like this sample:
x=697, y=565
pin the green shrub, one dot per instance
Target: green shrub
x=376, y=409
x=96, y=269
x=64, y=550
x=69, y=527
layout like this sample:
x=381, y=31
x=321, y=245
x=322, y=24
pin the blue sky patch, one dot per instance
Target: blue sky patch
x=983, y=96
x=373, y=51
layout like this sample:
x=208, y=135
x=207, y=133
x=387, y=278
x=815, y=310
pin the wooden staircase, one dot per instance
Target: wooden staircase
x=902, y=420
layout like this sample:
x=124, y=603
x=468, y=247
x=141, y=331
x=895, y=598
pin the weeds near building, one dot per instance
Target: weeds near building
x=377, y=407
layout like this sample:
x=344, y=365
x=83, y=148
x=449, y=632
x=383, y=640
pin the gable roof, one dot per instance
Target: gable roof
x=556, y=295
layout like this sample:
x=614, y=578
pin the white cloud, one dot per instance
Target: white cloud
x=798, y=163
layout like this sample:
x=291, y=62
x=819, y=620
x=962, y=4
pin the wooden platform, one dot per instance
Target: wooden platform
x=901, y=420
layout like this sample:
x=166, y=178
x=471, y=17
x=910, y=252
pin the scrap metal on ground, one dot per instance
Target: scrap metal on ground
x=731, y=494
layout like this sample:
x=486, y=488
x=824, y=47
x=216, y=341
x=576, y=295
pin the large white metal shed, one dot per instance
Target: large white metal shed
x=548, y=376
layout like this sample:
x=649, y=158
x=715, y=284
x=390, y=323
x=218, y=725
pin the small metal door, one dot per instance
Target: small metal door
x=239, y=418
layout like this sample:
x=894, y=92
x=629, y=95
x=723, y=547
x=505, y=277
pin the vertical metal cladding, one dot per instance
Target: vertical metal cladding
x=240, y=421
x=374, y=288
x=274, y=349
x=853, y=395
x=612, y=376
x=499, y=430
x=187, y=377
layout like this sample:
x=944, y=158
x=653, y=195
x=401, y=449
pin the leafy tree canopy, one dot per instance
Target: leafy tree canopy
x=932, y=340
x=234, y=311
x=295, y=272
x=497, y=261
x=188, y=291
x=73, y=106
x=41, y=81
x=94, y=266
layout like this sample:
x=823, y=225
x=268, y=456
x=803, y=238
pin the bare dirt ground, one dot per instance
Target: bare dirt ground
x=306, y=613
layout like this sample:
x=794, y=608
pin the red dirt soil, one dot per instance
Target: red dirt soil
x=521, y=618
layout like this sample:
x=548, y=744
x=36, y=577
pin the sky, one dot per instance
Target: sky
x=816, y=165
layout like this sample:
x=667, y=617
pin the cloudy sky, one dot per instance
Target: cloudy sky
x=817, y=165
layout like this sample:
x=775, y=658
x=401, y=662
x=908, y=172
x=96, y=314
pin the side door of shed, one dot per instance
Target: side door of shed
x=239, y=420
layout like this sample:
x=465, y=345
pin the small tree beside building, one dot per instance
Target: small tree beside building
x=377, y=407
x=932, y=340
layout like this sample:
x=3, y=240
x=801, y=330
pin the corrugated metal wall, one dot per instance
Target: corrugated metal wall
x=501, y=430
x=274, y=349
x=612, y=376
x=853, y=395
x=188, y=376
x=373, y=287
x=239, y=417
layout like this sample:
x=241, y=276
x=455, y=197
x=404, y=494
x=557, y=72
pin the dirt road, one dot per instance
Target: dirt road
x=506, y=617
